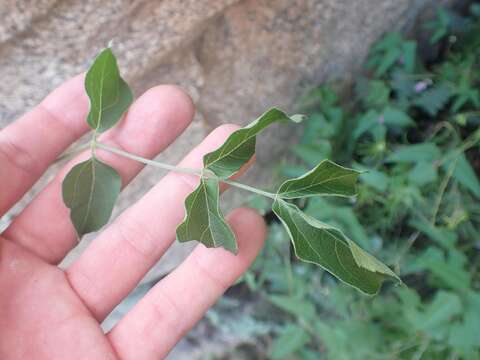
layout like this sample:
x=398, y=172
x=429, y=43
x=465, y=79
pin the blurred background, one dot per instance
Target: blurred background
x=390, y=86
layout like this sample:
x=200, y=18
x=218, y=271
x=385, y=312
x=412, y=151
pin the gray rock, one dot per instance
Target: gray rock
x=235, y=58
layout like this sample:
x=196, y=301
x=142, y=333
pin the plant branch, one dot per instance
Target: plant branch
x=145, y=161
x=197, y=172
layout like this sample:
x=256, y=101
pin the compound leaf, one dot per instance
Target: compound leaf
x=329, y=248
x=327, y=178
x=204, y=221
x=240, y=145
x=90, y=190
x=109, y=94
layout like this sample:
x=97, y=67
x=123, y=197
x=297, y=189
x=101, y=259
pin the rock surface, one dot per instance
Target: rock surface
x=235, y=57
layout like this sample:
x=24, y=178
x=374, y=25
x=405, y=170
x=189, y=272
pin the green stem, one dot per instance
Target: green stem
x=145, y=161
x=197, y=172
x=70, y=153
x=248, y=188
x=93, y=143
x=443, y=187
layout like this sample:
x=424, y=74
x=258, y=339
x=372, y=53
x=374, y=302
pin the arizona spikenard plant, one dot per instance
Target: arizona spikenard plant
x=91, y=187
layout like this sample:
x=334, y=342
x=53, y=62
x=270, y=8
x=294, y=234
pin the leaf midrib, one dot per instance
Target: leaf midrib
x=90, y=198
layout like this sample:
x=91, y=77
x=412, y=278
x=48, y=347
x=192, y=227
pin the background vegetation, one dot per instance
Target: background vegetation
x=412, y=123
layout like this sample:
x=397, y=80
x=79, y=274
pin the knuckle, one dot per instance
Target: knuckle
x=17, y=156
x=137, y=236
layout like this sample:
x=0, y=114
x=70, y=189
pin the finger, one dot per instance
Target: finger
x=127, y=249
x=178, y=302
x=30, y=144
x=151, y=124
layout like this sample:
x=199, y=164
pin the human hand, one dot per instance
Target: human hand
x=50, y=313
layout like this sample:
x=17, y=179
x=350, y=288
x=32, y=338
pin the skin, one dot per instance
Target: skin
x=51, y=313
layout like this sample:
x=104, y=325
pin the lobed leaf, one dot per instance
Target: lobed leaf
x=327, y=178
x=109, y=94
x=90, y=190
x=204, y=220
x=329, y=248
x=240, y=145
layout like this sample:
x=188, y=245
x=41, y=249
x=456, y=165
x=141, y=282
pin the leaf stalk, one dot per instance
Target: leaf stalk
x=197, y=172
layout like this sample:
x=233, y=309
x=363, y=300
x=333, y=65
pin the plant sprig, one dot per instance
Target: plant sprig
x=91, y=188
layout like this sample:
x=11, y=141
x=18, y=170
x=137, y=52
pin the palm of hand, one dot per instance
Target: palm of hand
x=50, y=313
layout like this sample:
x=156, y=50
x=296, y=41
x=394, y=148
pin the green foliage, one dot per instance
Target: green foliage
x=91, y=188
x=413, y=133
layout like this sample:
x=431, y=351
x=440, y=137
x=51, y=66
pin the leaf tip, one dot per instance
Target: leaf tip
x=298, y=118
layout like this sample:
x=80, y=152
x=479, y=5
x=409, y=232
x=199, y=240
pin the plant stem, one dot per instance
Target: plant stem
x=148, y=161
x=197, y=172
x=93, y=143
x=248, y=188
x=443, y=187
x=72, y=152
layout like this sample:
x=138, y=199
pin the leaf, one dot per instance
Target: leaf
x=291, y=339
x=312, y=153
x=204, y=220
x=439, y=312
x=434, y=99
x=441, y=236
x=465, y=336
x=294, y=306
x=327, y=178
x=90, y=190
x=395, y=117
x=415, y=153
x=409, y=49
x=340, y=216
x=109, y=94
x=374, y=178
x=329, y=248
x=447, y=272
x=240, y=145
x=423, y=173
x=463, y=172
x=366, y=123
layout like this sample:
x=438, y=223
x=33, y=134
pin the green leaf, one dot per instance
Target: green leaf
x=365, y=123
x=327, y=178
x=415, y=153
x=240, y=145
x=329, y=248
x=374, y=178
x=395, y=117
x=441, y=236
x=434, y=99
x=204, y=220
x=109, y=94
x=294, y=306
x=463, y=172
x=291, y=339
x=342, y=217
x=90, y=190
x=465, y=335
x=439, y=312
x=423, y=173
